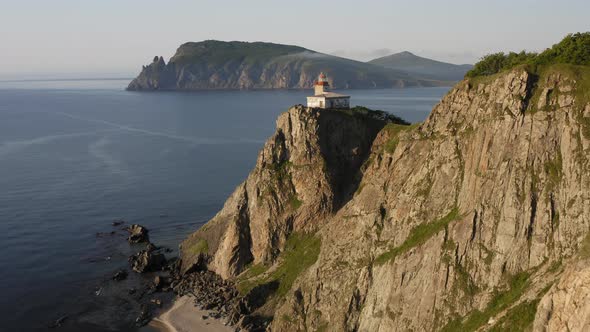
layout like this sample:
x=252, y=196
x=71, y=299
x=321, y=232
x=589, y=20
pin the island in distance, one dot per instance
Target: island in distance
x=215, y=64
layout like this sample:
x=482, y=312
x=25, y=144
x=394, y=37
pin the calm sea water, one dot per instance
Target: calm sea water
x=75, y=155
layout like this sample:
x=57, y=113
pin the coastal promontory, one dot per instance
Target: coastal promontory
x=213, y=64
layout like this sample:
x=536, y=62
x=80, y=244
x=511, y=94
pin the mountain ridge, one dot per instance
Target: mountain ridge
x=423, y=67
x=215, y=64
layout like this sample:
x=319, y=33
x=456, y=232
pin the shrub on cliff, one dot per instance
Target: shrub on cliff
x=573, y=49
x=497, y=62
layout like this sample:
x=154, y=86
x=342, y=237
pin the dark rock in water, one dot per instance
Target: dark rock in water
x=137, y=234
x=131, y=291
x=58, y=322
x=144, y=316
x=147, y=261
x=118, y=223
x=160, y=282
x=120, y=275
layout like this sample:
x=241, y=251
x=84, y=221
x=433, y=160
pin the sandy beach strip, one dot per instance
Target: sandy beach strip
x=183, y=316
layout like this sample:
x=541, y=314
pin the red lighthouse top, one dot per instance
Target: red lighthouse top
x=322, y=80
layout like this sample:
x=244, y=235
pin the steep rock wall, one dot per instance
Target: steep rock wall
x=463, y=222
x=305, y=172
x=491, y=188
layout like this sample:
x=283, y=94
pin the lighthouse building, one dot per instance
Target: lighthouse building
x=323, y=98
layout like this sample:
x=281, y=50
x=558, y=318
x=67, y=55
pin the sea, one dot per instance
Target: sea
x=76, y=155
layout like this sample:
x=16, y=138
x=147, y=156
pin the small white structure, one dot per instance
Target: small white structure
x=322, y=98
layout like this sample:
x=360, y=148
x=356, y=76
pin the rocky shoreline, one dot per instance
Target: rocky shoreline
x=208, y=290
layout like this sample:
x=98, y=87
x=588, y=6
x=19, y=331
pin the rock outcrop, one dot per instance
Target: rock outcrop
x=138, y=234
x=463, y=222
x=215, y=64
x=566, y=307
x=147, y=260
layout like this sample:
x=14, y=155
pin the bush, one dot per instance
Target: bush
x=497, y=62
x=573, y=49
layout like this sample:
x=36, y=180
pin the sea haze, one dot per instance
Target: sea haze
x=76, y=155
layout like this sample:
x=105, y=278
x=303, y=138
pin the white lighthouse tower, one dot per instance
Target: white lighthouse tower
x=323, y=98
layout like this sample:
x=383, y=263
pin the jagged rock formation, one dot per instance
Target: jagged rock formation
x=464, y=222
x=239, y=65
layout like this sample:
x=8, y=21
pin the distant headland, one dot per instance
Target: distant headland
x=215, y=64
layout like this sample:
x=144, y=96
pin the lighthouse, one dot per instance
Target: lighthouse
x=321, y=85
x=323, y=98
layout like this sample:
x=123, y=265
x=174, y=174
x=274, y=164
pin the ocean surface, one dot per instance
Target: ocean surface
x=76, y=155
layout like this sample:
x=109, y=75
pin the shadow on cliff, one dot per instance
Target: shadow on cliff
x=345, y=138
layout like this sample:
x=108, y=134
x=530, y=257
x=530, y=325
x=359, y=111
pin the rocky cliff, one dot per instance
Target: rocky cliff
x=239, y=65
x=476, y=219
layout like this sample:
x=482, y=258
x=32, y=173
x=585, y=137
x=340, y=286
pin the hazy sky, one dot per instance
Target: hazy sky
x=116, y=37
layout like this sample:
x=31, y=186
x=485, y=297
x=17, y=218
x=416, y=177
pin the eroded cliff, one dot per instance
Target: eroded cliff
x=472, y=220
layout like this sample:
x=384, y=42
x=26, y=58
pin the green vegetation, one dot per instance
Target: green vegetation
x=294, y=202
x=419, y=235
x=393, y=130
x=518, y=318
x=373, y=114
x=553, y=168
x=201, y=246
x=489, y=255
x=584, y=250
x=281, y=171
x=249, y=278
x=464, y=281
x=501, y=301
x=287, y=318
x=214, y=52
x=301, y=251
x=497, y=62
x=322, y=327
x=573, y=49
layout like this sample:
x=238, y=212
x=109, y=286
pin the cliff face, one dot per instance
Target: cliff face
x=472, y=220
x=304, y=173
x=240, y=65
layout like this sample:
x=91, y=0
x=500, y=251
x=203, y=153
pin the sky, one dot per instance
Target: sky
x=114, y=38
